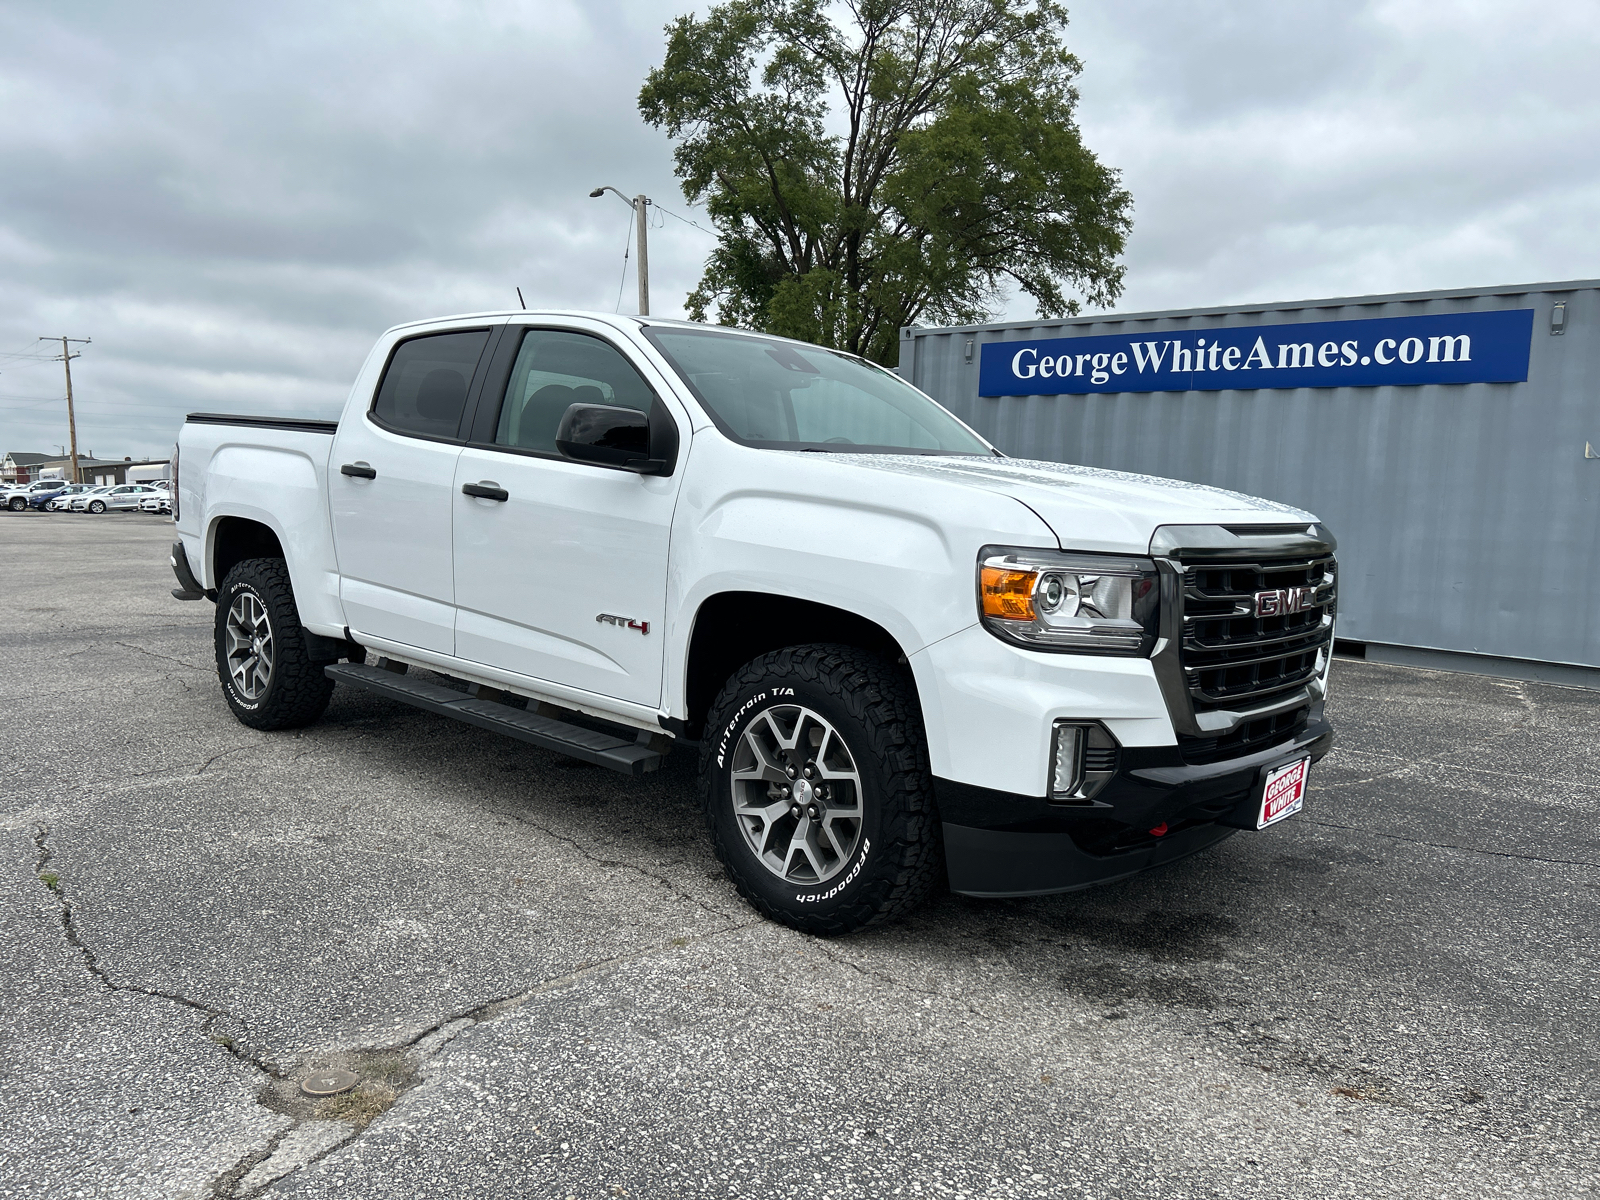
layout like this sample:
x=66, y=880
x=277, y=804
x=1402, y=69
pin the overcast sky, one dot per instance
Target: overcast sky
x=234, y=201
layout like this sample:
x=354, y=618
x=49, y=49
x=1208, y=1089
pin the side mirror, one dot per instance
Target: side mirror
x=613, y=436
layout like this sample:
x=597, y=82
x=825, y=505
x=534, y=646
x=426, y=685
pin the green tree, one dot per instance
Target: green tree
x=950, y=167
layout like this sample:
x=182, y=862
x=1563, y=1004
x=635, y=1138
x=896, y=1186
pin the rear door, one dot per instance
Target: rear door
x=389, y=490
x=565, y=579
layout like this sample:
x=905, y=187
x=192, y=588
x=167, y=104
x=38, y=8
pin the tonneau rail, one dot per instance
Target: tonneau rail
x=297, y=424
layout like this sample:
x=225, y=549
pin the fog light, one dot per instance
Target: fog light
x=1066, y=761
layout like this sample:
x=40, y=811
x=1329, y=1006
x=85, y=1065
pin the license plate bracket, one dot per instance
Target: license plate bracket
x=1283, y=791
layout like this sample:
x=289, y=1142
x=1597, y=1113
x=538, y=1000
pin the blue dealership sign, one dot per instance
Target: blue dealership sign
x=1465, y=347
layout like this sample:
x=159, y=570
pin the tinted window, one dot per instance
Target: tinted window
x=425, y=387
x=791, y=396
x=555, y=370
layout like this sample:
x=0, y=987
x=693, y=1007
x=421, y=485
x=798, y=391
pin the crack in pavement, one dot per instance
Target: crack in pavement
x=162, y=657
x=92, y=963
x=435, y=1038
x=593, y=857
x=422, y=1047
x=1400, y=837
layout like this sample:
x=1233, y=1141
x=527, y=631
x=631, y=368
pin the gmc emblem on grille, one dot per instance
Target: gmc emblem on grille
x=1284, y=601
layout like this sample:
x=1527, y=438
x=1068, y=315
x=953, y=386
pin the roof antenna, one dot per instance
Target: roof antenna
x=521, y=301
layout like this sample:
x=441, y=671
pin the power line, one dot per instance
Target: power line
x=688, y=222
x=623, y=281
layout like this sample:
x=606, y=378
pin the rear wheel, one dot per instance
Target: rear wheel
x=267, y=674
x=817, y=788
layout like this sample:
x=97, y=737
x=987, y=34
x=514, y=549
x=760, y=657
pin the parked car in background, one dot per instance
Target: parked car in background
x=40, y=496
x=60, y=501
x=118, y=496
x=18, y=498
x=161, y=502
x=95, y=495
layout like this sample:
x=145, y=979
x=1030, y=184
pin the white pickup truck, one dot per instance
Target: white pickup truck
x=903, y=658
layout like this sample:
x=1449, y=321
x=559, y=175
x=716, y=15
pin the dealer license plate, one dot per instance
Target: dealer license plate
x=1284, y=793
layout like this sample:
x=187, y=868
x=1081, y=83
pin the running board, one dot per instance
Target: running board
x=603, y=749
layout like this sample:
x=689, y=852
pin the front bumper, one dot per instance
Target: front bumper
x=1007, y=844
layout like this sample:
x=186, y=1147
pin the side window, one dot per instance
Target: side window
x=555, y=370
x=425, y=387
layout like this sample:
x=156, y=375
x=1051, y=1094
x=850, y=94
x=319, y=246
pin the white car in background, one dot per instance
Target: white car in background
x=63, y=502
x=160, y=502
x=121, y=496
x=95, y=495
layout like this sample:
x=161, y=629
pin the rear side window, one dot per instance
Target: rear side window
x=425, y=388
x=555, y=370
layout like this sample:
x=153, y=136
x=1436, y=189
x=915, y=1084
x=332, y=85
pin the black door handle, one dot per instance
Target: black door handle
x=485, y=491
x=358, y=470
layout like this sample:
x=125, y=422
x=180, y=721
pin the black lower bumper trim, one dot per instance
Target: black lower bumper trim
x=992, y=863
x=1004, y=844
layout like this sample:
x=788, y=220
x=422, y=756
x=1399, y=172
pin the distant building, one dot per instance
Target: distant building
x=21, y=467
x=25, y=468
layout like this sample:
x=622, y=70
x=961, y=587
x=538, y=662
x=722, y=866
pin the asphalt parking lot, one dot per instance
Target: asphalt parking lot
x=549, y=988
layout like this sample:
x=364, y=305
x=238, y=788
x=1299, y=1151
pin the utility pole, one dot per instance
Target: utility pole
x=72, y=421
x=640, y=204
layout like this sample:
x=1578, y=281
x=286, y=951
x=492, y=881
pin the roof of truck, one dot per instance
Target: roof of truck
x=605, y=317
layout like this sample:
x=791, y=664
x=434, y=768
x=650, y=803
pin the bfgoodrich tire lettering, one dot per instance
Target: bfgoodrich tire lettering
x=817, y=789
x=268, y=677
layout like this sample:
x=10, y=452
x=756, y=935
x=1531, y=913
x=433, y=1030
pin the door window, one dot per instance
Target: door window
x=554, y=370
x=424, y=389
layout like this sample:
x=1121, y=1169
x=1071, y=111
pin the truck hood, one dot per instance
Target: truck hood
x=1088, y=508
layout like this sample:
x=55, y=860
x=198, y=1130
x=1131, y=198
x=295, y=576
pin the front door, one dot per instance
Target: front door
x=564, y=579
x=389, y=493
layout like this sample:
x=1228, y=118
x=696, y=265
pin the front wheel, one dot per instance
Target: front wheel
x=16, y=504
x=97, y=506
x=267, y=674
x=818, y=792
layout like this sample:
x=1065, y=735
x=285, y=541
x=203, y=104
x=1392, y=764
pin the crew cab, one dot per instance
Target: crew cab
x=902, y=657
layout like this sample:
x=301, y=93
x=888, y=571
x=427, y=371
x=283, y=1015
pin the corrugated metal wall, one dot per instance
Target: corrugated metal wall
x=1467, y=515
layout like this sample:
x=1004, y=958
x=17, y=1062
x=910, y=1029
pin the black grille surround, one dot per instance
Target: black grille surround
x=1236, y=682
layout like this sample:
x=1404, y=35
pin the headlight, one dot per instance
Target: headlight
x=1068, y=602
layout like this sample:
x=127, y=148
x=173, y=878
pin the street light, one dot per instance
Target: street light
x=638, y=204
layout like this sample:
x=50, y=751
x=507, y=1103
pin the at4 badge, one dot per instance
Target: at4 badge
x=624, y=622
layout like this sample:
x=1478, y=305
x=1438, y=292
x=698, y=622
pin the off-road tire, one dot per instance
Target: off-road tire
x=298, y=691
x=899, y=859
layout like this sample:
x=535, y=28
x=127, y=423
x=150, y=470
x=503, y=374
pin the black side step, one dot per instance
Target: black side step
x=602, y=749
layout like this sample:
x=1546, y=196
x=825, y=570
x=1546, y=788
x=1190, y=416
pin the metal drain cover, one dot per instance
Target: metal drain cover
x=329, y=1083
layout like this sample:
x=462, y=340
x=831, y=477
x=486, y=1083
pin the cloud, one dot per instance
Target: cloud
x=234, y=208
x=1284, y=152
x=234, y=201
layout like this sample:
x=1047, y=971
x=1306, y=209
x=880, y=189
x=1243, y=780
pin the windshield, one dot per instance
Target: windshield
x=790, y=396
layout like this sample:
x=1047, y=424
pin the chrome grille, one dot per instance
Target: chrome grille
x=1233, y=659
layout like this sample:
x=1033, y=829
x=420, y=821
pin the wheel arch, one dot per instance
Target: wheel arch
x=234, y=539
x=731, y=628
